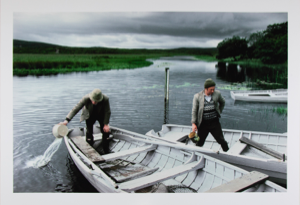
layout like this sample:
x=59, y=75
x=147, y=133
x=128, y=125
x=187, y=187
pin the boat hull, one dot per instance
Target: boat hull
x=268, y=96
x=99, y=184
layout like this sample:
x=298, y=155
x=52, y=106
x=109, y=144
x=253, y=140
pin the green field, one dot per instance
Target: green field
x=49, y=64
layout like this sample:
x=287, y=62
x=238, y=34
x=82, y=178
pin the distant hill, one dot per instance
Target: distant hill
x=20, y=46
x=31, y=44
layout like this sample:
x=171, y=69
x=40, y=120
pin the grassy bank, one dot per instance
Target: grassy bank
x=279, y=110
x=242, y=62
x=49, y=64
x=253, y=63
x=206, y=58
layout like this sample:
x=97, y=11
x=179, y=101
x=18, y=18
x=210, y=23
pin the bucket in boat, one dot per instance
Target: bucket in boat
x=60, y=131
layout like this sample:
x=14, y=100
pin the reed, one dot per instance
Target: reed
x=279, y=110
x=260, y=75
x=206, y=58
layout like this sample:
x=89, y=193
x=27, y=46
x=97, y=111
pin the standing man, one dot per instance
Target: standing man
x=95, y=106
x=207, y=108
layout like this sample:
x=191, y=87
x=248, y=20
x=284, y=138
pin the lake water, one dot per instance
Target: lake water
x=137, y=104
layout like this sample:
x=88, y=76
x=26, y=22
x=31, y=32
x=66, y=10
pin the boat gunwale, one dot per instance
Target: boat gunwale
x=95, y=169
x=226, y=130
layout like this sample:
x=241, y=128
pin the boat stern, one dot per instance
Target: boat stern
x=232, y=95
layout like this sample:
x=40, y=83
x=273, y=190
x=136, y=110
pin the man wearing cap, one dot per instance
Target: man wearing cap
x=95, y=106
x=207, y=108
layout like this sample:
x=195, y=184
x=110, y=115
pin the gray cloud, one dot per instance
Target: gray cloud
x=140, y=29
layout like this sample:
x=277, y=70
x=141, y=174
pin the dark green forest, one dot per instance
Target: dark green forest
x=268, y=46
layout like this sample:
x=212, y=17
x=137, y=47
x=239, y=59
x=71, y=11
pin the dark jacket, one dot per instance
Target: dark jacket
x=198, y=105
x=102, y=109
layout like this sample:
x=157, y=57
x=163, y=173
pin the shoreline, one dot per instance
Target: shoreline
x=53, y=64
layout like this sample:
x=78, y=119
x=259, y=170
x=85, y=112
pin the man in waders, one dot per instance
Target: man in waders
x=207, y=108
x=95, y=106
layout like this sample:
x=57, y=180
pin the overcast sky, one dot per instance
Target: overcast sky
x=139, y=29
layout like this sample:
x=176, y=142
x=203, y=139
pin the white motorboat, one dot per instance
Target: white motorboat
x=270, y=96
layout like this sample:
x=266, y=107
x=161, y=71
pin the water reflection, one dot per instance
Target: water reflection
x=231, y=72
x=257, y=77
x=166, y=112
x=77, y=182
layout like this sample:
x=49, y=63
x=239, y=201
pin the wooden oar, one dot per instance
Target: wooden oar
x=177, y=145
x=263, y=148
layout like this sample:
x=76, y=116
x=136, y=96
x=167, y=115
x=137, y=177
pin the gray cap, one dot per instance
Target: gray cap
x=96, y=95
x=209, y=83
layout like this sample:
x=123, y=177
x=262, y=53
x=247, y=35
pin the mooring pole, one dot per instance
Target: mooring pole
x=167, y=85
x=166, y=114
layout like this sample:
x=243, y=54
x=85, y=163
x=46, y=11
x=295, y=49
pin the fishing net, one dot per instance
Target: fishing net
x=180, y=189
x=161, y=188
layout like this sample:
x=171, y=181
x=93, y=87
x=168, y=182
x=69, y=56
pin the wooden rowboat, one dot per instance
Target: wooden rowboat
x=253, y=151
x=143, y=164
x=270, y=96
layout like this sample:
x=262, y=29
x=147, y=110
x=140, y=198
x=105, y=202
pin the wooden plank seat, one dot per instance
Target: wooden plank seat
x=263, y=148
x=161, y=176
x=87, y=149
x=175, y=136
x=237, y=148
x=95, y=157
x=125, y=153
x=241, y=183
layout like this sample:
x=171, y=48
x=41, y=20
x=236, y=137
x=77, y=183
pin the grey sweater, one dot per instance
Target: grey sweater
x=198, y=105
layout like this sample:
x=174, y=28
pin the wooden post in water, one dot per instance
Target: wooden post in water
x=167, y=85
x=166, y=114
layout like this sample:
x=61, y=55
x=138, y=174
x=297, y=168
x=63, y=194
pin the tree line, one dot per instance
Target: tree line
x=27, y=47
x=269, y=46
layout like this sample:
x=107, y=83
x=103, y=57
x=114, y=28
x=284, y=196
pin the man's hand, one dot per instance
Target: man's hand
x=63, y=123
x=106, y=128
x=194, y=127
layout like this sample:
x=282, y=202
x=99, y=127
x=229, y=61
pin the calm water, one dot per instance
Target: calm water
x=137, y=104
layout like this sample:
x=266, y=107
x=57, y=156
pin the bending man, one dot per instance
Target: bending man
x=207, y=108
x=95, y=106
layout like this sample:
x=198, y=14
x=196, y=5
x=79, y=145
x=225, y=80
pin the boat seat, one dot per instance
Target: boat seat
x=161, y=176
x=175, y=136
x=241, y=183
x=125, y=153
x=237, y=148
x=87, y=149
x=263, y=148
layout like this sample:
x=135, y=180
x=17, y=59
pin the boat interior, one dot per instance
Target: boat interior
x=136, y=165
